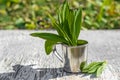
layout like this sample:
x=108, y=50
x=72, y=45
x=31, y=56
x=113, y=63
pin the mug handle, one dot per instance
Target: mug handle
x=57, y=54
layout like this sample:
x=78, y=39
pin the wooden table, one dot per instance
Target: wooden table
x=22, y=57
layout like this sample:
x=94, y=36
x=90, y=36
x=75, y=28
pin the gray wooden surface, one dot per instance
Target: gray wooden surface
x=22, y=57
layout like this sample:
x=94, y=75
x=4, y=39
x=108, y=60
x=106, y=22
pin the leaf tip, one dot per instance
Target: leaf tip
x=32, y=34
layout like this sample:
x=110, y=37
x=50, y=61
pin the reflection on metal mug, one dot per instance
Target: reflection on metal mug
x=73, y=57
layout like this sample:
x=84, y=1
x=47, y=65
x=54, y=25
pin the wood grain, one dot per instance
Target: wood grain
x=22, y=57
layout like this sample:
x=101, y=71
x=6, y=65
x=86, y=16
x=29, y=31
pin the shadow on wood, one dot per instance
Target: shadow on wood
x=22, y=72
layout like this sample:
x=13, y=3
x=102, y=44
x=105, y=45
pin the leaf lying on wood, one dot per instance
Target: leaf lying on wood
x=100, y=69
x=93, y=68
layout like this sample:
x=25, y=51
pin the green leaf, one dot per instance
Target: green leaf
x=71, y=20
x=77, y=25
x=59, y=19
x=99, y=71
x=65, y=11
x=65, y=16
x=67, y=30
x=86, y=69
x=49, y=46
x=95, y=65
x=81, y=42
x=92, y=67
x=82, y=65
x=60, y=30
x=55, y=25
x=49, y=36
x=101, y=68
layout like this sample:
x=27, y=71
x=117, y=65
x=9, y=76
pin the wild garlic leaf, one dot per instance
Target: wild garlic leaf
x=78, y=21
x=56, y=26
x=101, y=68
x=71, y=20
x=82, y=65
x=77, y=25
x=67, y=25
x=93, y=70
x=99, y=71
x=95, y=65
x=49, y=46
x=65, y=15
x=59, y=19
x=65, y=11
x=81, y=42
x=61, y=31
x=92, y=67
x=86, y=68
x=49, y=36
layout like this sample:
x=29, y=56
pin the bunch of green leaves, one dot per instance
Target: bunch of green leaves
x=93, y=68
x=68, y=26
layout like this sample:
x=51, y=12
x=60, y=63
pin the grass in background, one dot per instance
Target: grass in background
x=32, y=14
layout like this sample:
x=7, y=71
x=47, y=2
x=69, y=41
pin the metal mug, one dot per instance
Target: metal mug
x=73, y=57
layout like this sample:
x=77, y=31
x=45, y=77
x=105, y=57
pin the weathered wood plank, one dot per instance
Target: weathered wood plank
x=22, y=57
x=29, y=73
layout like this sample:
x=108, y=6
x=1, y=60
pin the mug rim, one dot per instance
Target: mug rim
x=76, y=46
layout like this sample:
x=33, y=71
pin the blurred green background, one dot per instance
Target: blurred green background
x=32, y=14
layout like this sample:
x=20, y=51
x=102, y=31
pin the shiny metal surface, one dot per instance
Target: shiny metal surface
x=73, y=57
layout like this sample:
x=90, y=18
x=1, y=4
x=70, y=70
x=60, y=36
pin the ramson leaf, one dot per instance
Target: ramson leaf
x=65, y=15
x=81, y=42
x=49, y=36
x=49, y=46
x=77, y=25
x=94, y=68
x=82, y=65
x=56, y=26
x=86, y=68
x=101, y=68
x=60, y=30
x=71, y=20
